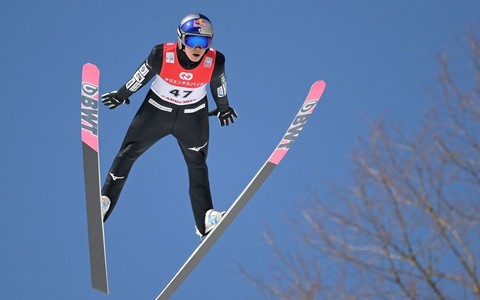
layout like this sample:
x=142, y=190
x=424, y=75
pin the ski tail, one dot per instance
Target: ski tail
x=275, y=158
x=91, y=168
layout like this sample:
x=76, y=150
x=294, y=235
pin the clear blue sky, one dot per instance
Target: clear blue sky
x=377, y=57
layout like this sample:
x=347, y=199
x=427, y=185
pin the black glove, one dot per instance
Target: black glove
x=111, y=100
x=225, y=117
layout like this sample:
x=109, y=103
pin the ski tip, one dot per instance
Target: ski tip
x=90, y=67
x=319, y=83
x=316, y=90
x=90, y=74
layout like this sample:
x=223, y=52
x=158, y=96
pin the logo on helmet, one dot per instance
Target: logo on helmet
x=200, y=23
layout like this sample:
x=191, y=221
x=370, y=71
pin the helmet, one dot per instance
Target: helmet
x=195, y=30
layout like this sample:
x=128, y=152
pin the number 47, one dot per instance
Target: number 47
x=176, y=93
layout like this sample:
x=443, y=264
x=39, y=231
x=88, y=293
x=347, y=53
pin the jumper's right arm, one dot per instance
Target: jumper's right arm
x=147, y=70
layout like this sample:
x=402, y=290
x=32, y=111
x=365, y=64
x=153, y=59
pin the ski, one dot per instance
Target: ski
x=91, y=168
x=286, y=142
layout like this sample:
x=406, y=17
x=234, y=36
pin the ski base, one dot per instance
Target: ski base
x=292, y=133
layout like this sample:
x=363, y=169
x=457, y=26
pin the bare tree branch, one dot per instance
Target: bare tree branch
x=409, y=226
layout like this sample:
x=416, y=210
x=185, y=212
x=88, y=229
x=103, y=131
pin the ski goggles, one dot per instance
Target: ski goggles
x=201, y=41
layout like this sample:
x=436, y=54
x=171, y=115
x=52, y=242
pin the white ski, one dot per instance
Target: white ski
x=293, y=131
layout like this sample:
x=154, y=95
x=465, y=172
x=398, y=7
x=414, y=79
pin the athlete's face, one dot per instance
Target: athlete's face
x=194, y=54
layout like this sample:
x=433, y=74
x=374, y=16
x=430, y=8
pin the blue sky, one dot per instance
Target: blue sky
x=377, y=57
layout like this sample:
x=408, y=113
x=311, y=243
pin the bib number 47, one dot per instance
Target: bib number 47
x=181, y=93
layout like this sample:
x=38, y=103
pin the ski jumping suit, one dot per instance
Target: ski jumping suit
x=176, y=104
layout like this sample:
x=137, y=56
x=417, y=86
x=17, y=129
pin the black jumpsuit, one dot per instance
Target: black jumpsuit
x=157, y=118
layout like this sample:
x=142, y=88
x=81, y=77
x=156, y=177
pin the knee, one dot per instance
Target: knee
x=130, y=152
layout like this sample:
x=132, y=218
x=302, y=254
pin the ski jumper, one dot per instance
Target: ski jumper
x=176, y=104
